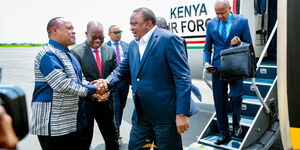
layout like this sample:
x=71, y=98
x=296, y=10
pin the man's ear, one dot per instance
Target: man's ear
x=86, y=34
x=53, y=30
x=149, y=24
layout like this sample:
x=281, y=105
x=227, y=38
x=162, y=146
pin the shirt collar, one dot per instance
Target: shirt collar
x=92, y=49
x=58, y=46
x=147, y=36
x=113, y=42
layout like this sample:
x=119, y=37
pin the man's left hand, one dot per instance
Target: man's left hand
x=182, y=123
x=236, y=41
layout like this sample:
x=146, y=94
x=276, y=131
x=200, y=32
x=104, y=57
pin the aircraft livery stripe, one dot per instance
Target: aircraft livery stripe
x=195, y=47
x=195, y=42
x=234, y=6
x=295, y=137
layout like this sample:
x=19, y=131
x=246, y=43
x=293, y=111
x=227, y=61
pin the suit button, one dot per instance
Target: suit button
x=138, y=79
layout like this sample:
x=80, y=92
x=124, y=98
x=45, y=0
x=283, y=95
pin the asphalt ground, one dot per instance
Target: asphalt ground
x=17, y=69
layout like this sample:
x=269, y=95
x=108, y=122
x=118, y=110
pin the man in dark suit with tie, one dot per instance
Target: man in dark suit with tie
x=161, y=83
x=223, y=31
x=97, y=61
x=121, y=90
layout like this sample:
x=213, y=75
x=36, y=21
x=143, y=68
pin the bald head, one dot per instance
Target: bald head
x=222, y=3
x=222, y=9
x=94, y=34
x=93, y=24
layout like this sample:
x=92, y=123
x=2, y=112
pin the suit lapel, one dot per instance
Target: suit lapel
x=109, y=43
x=232, y=28
x=91, y=59
x=148, y=49
x=136, y=59
x=216, y=28
x=103, y=58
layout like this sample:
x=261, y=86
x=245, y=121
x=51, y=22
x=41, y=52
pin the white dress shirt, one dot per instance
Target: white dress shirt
x=99, y=51
x=143, y=42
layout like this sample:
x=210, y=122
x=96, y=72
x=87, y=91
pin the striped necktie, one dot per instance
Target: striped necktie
x=224, y=31
x=118, y=52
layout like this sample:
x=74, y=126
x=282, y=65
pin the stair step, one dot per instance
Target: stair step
x=250, y=105
x=269, y=63
x=251, y=100
x=201, y=146
x=245, y=120
x=267, y=66
x=267, y=72
x=259, y=81
x=233, y=144
x=262, y=84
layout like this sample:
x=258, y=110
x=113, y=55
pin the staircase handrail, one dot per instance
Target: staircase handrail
x=266, y=107
x=205, y=80
x=267, y=45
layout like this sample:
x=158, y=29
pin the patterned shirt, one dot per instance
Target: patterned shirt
x=58, y=85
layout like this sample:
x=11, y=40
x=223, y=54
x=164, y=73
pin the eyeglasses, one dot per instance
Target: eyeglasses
x=117, y=32
x=98, y=37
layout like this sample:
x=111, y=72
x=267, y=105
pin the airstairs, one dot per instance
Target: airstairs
x=259, y=120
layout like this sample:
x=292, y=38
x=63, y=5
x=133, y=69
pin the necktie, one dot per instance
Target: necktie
x=224, y=31
x=98, y=61
x=118, y=52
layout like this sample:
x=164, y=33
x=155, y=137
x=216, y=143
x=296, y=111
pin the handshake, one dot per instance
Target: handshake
x=102, y=93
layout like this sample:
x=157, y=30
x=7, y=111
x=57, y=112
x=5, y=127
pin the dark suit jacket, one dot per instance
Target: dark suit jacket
x=88, y=63
x=239, y=27
x=161, y=82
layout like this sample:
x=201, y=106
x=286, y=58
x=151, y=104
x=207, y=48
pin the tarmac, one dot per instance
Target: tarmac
x=17, y=69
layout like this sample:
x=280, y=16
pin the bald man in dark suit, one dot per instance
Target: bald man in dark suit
x=97, y=61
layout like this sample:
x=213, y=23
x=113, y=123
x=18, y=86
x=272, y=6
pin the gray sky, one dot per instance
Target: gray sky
x=26, y=20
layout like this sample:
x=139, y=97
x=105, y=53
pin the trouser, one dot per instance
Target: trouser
x=63, y=142
x=103, y=113
x=220, y=94
x=143, y=132
x=120, y=97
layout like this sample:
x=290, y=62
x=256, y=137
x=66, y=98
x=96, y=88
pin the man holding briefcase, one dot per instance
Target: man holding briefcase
x=225, y=30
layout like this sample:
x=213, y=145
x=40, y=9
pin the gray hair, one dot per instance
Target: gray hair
x=147, y=13
x=161, y=22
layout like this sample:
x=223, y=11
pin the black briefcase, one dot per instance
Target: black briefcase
x=12, y=98
x=238, y=63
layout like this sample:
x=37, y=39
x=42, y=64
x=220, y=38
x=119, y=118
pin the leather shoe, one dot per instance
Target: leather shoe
x=223, y=139
x=237, y=131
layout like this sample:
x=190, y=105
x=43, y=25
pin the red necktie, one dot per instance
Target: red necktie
x=98, y=61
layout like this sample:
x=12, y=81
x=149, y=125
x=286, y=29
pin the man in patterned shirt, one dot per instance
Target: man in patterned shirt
x=56, y=115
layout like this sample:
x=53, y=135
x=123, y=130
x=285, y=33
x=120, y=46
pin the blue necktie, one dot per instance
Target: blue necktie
x=224, y=31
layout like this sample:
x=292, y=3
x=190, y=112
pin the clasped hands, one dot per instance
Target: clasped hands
x=102, y=93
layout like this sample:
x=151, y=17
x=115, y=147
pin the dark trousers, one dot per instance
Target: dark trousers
x=220, y=93
x=120, y=94
x=63, y=142
x=103, y=113
x=144, y=132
